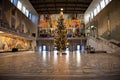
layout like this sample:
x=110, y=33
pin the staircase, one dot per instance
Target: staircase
x=101, y=44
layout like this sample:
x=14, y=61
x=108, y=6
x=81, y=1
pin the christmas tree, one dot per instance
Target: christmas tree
x=60, y=40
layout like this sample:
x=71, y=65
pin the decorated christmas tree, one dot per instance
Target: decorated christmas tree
x=60, y=40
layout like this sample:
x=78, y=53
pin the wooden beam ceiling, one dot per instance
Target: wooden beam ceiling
x=54, y=6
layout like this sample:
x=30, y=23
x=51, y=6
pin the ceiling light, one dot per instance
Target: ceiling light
x=61, y=9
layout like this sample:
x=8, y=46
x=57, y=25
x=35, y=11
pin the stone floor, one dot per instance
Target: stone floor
x=50, y=66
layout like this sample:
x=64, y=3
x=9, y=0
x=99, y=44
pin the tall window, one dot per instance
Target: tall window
x=15, y=2
x=98, y=8
x=23, y=9
x=91, y=15
x=95, y=12
x=30, y=16
x=11, y=1
x=107, y=1
x=102, y=4
x=19, y=5
x=26, y=12
x=34, y=19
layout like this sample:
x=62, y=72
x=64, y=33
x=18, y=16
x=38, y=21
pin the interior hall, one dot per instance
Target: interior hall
x=59, y=39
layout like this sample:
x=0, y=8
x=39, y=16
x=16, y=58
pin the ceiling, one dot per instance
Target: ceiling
x=54, y=6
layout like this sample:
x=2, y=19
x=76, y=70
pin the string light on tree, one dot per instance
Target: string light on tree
x=60, y=40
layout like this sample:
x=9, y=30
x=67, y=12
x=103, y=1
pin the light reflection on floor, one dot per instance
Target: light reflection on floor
x=78, y=57
x=48, y=55
x=55, y=56
x=50, y=63
x=80, y=48
x=44, y=56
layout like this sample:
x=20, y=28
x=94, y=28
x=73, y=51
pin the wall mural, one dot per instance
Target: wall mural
x=73, y=22
x=7, y=43
x=50, y=21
